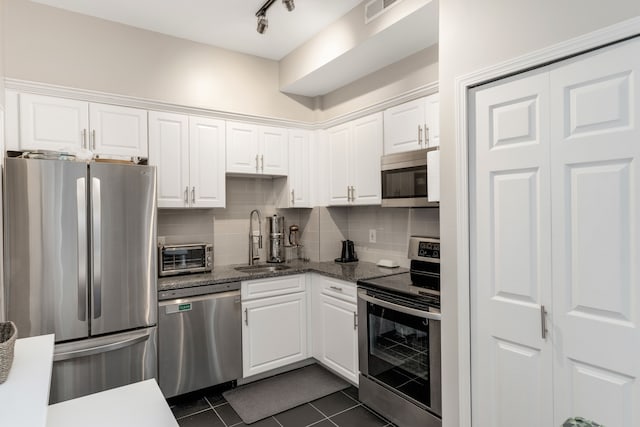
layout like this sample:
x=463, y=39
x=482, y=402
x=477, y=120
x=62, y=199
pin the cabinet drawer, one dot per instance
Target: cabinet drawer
x=338, y=289
x=263, y=288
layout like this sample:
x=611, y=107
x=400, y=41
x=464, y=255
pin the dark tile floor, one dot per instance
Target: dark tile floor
x=342, y=409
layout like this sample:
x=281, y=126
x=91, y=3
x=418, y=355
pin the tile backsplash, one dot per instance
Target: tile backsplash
x=322, y=228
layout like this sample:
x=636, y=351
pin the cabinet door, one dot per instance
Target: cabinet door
x=274, y=150
x=403, y=127
x=432, y=121
x=169, y=153
x=274, y=332
x=364, y=165
x=510, y=256
x=207, y=162
x=339, y=337
x=339, y=139
x=118, y=131
x=299, y=194
x=48, y=123
x=242, y=148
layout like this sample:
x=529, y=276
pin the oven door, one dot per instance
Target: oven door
x=399, y=348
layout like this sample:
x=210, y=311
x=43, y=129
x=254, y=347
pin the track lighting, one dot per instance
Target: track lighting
x=289, y=4
x=261, y=14
x=263, y=24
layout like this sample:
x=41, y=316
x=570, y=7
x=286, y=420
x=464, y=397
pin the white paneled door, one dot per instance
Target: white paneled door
x=596, y=237
x=555, y=215
x=511, y=271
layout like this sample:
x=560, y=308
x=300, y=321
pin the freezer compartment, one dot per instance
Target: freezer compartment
x=200, y=342
x=99, y=364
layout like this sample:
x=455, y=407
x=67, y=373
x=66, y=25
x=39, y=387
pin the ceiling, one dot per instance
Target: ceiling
x=230, y=24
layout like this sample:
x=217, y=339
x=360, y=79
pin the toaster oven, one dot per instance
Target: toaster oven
x=184, y=259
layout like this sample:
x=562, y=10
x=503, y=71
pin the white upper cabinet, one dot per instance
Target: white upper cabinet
x=50, y=123
x=366, y=149
x=354, y=161
x=207, y=147
x=412, y=125
x=118, y=131
x=169, y=152
x=256, y=150
x=189, y=153
x=296, y=190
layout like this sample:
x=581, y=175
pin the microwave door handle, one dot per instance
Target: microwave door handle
x=96, y=244
x=81, y=198
x=402, y=309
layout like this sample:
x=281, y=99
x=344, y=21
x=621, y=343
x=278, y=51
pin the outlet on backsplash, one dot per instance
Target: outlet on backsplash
x=372, y=235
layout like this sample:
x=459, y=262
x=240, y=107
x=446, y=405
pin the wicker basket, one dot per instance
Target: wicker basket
x=8, y=335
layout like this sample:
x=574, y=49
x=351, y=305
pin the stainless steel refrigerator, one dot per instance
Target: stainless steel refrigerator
x=80, y=262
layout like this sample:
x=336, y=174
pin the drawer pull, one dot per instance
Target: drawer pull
x=336, y=288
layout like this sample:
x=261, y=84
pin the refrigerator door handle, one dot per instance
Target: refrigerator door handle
x=81, y=198
x=96, y=244
x=103, y=348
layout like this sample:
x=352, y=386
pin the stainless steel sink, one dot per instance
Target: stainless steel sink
x=261, y=268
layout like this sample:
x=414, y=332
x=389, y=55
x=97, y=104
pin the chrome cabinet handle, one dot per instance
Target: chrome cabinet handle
x=84, y=138
x=262, y=163
x=543, y=322
x=419, y=135
x=186, y=194
x=193, y=195
x=81, y=198
x=355, y=320
x=426, y=135
x=246, y=316
x=257, y=168
x=93, y=134
x=336, y=288
x=293, y=197
x=96, y=225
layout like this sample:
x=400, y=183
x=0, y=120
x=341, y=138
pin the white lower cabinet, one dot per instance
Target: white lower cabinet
x=274, y=329
x=278, y=329
x=335, y=326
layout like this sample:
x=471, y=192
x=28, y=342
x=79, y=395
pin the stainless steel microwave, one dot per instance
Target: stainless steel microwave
x=410, y=180
x=183, y=259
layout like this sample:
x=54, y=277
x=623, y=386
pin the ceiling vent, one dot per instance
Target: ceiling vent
x=376, y=8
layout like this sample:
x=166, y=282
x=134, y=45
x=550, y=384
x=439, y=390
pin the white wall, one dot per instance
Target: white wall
x=2, y=38
x=340, y=37
x=410, y=73
x=474, y=35
x=55, y=46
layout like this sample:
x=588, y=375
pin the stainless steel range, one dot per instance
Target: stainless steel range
x=399, y=343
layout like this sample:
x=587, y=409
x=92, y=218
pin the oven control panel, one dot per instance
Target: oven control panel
x=424, y=249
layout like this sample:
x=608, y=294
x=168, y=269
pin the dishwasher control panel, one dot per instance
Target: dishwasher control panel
x=197, y=290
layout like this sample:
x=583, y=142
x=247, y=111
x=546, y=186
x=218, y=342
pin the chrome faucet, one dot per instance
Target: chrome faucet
x=254, y=237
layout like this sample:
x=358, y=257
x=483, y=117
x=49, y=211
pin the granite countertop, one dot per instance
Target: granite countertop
x=351, y=272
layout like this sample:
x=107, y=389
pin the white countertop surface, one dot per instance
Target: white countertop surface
x=138, y=405
x=24, y=397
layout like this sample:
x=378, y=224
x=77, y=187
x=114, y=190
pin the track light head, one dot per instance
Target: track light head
x=289, y=4
x=263, y=24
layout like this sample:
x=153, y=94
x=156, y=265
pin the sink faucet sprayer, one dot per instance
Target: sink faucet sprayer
x=255, y=238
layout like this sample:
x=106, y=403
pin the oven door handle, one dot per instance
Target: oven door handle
x=362, y=294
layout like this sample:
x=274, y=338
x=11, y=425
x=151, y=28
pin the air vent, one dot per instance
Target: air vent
x=375, y=9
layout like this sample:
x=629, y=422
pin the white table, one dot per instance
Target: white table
x=25, y=395
x=138, y=405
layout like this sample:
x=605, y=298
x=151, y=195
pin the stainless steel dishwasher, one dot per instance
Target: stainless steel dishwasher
x=200, y=337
